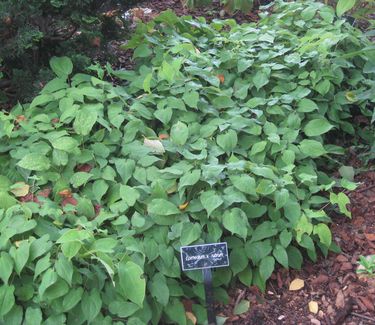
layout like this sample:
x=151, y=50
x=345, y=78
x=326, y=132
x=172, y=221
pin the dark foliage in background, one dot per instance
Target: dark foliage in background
x=32, y=31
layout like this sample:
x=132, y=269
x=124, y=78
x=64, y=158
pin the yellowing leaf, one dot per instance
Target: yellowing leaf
x=20, y=189
x=350, y=96
x=191, y=317
x=221, y=78
x=313, y=307
x=183, y=206
x=65, y=193
x=296, y=284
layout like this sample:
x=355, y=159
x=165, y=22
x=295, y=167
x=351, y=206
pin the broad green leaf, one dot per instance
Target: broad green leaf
x=6, y=201
x=79, y=179
x=6, y=267
x=234, y=221
x=238, y=260
x=266, y=267
x=129, y=194
x=294, y=257
x=162, y=207
x=142, y=51
x=64, y=268
x=317, y=127
x=122, y=309
x=265, y=230
x=132, y=282
x=227, y=141
x=34, y=161
x=85, y=120
x=179, y=133
x=244, y=183
x=67, y=144
x=347, y=172
x=223, y=102
x=260, y=79
x=242, y=307
x=159, y=289
x=281, y=255
x=33, y=316
x=72, y=298
x=14, y=316
x=341, y=199
x=48, y=279
x=6, y=299
x=175, y=311
x=91, y=304
x=246, y=276
x=265, y=187
x=20, y=256
x=324, y=234
x=61, y=66
x=190, y=233
x=190, y=178
x=285, y=238
x=307, y=105
x=210, y=201
x=312, y=148
x=70, y=249
x=343, y=6
x=281, y=198
x=191, y=98
x=99, y=189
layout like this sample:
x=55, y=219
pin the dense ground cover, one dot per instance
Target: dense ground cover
x=221, y=133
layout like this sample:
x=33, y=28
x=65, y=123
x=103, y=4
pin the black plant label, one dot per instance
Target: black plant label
x=205, y=256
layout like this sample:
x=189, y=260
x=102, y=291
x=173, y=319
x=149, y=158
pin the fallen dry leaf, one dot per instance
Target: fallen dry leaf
x=313, y=307
x=191, y=316
x=69, y=200
x=155, y=145
x=20, y=189
x=296, y=284
x=65, y=193
x=183, y=206
x=86, y=168
x=221, y=78
x=163, y=136
x=370, y=237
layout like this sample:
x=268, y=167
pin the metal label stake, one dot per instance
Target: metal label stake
x=205, y=257
x=207, y=278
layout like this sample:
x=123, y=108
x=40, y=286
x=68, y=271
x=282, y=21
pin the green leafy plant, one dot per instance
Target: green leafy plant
x=360, y=10
x=223, y=132
x=367, y=265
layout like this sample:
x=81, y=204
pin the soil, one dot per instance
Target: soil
x=342, y=296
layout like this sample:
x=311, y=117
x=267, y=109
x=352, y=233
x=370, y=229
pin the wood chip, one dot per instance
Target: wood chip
x=340, y=300
x=313, y=307
x=296, y=284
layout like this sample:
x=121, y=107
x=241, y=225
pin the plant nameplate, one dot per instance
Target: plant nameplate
x=205, y=256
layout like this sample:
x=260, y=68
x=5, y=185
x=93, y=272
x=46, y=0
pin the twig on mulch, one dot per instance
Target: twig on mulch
x=364, y=317
x=366, y=188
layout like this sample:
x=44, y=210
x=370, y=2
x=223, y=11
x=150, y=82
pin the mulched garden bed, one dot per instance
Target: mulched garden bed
x=342, y=297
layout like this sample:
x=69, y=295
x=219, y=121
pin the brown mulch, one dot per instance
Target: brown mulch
x=342, y=296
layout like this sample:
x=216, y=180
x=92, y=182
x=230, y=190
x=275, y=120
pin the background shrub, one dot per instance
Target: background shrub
x=31, y=32
x=222, y=133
